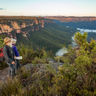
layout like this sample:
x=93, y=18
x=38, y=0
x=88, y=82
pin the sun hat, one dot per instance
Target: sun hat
x=13, y=40
x=7, y=40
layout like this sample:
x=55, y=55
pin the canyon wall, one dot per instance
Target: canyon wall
x=21, y=25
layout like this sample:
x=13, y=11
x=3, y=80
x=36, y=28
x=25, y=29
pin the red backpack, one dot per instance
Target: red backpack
x=1, y=54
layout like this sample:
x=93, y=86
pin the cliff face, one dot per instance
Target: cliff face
x=23, y=26
x=71, y=19
x=4, y=28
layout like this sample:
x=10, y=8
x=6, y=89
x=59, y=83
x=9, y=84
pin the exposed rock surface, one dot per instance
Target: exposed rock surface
x=54, y=65
x=12, y=26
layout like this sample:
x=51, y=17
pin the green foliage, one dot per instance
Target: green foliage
x=34, y=82
x=11, y=87
x=32, y=56
x=2, y=64
x=76, y=77
x=1, y=41
x=81, y=39
x=52, y=37
x=83, y=60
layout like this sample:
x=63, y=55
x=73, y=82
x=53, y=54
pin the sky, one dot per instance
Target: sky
x=48, y=7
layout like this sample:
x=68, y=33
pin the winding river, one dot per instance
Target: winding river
x=62, y=51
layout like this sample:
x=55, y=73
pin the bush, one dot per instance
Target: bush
x=34, y=82
x=11, y=87
x=32, y=56
x=77, y=76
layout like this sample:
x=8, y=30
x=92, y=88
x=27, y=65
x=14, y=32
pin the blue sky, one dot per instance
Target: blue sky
x=48, y=7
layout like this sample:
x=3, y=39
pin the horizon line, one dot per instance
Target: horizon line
x=45, y=16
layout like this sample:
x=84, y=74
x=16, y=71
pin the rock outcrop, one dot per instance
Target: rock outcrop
x=21, y=25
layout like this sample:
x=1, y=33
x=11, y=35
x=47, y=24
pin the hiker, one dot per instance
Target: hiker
x=16, y=53
x=9, y=56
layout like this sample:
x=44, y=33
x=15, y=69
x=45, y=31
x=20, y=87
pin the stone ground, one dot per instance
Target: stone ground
x=4, y=72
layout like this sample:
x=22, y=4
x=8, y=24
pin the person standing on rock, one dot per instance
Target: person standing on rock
x=9, y=56
x=15, y=52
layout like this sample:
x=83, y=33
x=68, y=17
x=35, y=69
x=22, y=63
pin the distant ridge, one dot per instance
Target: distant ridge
x=21, y=17
x=71, y=18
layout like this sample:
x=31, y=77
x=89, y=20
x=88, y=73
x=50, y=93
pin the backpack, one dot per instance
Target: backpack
x=1, y=55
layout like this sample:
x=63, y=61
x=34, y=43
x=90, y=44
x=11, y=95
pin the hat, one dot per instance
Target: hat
x=13, y=40
x=7, y=40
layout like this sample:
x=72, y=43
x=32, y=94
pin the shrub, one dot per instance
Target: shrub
x=11, y=87
x=32, y=56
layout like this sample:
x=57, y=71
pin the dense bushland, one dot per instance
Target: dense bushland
x=76, y=77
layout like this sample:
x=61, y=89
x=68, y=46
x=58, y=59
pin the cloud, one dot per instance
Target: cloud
x=2, y=9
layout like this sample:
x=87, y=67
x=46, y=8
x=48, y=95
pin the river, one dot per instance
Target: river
x=62, y=51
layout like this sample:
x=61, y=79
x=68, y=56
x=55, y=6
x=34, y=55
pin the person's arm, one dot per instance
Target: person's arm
x=6, y=56
x=16, y=51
